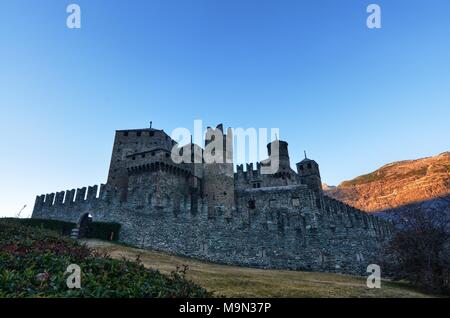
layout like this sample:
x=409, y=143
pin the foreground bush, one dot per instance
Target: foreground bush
x=33, y=263
x=60, y=227
x=420, y=250
x=101, y=230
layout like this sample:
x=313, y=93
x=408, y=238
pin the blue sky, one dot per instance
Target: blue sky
x=354, y=98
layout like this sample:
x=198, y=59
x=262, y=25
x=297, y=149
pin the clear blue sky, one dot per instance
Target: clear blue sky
x=354, y=98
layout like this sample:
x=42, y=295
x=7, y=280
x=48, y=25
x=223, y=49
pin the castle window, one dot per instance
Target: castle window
x=252, y=204
x=167, y=155
x=153, y=153
x=125, y=133
x=138, y=134
x=143, y=155
x=295, y=202
x=302, y=168
x=359, y=257
x=309, y=166
x=261, y=253
x=134, y=158
x=152, y=134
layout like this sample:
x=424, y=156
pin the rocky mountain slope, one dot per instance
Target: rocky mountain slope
x=397, y=184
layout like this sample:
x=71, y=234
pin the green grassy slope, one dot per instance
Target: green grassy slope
x=232, y=281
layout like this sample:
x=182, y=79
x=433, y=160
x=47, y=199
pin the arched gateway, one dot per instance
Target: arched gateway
x=83, y=225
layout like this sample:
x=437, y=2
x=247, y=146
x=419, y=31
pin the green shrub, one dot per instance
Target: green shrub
x=99, y=230
x=33, y=263
x=61, y=227
x=104, y=231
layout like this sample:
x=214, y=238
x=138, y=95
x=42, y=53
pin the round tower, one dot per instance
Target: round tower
x=278, y=152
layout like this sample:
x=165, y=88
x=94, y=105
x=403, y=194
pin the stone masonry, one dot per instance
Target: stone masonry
x=207, y=211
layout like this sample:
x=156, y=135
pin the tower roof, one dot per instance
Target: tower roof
x=281, y=143
x=141, y=129
x=306, y=160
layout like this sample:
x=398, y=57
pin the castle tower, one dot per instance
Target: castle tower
x=278, y=152
x=130, y=145
x=218, y=174
x=309, y=173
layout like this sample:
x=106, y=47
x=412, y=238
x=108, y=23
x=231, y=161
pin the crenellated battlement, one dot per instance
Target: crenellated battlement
x=249, y=173
x=357, y=217
x=166, y=166
x=70, y=197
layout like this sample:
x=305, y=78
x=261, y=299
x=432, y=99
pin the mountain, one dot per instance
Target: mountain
x=397, y=184
x=327, y=187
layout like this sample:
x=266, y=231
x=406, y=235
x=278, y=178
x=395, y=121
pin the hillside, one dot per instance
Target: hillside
x=397, y=184
x=233, y=281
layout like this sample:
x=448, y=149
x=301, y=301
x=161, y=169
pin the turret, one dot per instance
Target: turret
x=278, y=152
x=309, y=173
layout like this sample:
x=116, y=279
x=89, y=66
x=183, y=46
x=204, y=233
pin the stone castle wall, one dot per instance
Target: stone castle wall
x=275, y=227
x=205, y=210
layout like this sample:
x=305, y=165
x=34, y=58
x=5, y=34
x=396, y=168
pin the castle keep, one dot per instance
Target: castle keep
x=208, y=211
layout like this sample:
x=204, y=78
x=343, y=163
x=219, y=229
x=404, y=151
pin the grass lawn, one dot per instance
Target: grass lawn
x=234, y=281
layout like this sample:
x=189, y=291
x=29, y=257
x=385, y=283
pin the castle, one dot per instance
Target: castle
x=208, y=211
